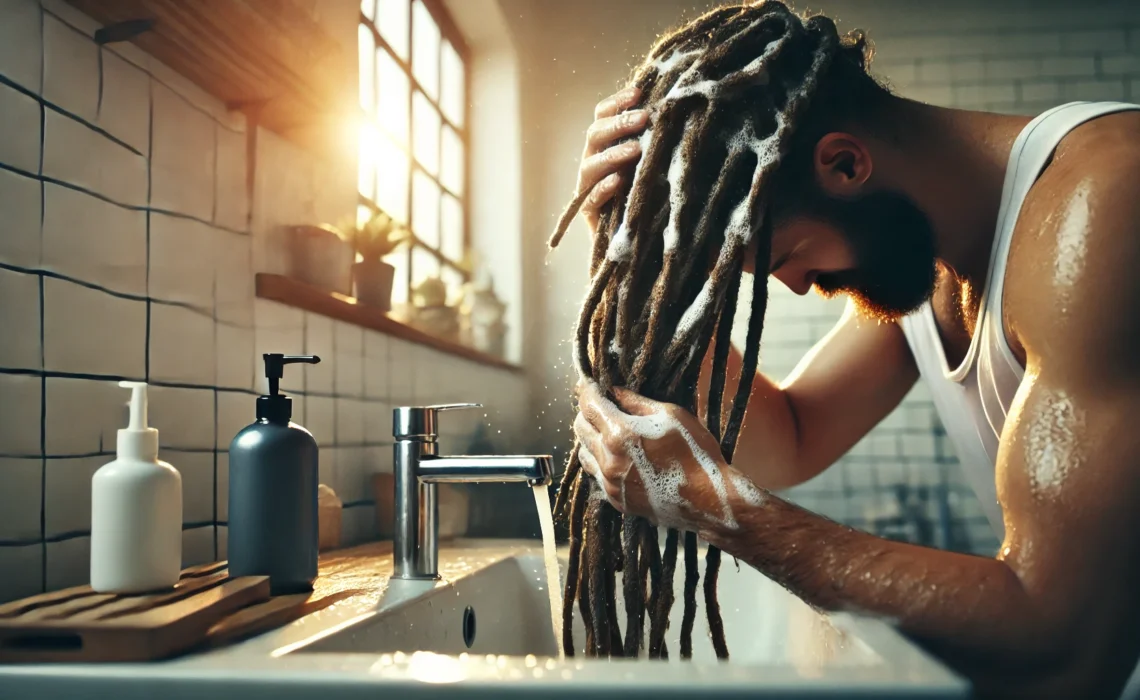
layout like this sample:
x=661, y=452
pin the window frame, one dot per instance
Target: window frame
x=449, y=32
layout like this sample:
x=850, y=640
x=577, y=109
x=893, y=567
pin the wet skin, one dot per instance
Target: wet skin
x=1054, y=613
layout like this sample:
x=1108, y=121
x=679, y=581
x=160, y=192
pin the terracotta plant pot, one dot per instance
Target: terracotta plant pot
x=318, y=256
x=373, y=279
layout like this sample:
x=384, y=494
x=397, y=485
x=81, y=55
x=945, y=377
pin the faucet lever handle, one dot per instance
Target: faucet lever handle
x=409, y=422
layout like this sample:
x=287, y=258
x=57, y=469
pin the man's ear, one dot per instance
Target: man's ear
x=842, y=164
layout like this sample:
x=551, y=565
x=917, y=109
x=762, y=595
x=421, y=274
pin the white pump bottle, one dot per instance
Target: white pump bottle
x=136, y=512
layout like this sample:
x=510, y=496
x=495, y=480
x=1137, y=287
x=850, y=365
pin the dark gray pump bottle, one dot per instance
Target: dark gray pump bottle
x=273, y=491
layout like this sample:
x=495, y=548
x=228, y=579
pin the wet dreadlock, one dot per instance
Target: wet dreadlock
x=726, y=93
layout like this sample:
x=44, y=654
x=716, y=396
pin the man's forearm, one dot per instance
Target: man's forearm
x=972, y=611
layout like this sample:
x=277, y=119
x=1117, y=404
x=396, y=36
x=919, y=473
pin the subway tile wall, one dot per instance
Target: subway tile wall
x=128, y=246
x=1011, y=57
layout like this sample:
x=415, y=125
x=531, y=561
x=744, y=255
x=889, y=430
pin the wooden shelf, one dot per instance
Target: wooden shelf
x=345, y=308
x=272, y=58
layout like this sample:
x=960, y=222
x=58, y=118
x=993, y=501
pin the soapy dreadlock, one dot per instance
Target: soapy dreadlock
x=726, y=94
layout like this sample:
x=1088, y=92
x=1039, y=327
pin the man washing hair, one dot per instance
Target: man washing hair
x=994, y=256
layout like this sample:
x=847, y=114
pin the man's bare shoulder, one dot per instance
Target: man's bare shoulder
x=1072, y=282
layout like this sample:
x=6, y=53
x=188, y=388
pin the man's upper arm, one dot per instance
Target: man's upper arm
x=1069, y=464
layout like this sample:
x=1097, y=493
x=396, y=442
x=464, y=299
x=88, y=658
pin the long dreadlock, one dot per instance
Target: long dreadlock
x=726, y=93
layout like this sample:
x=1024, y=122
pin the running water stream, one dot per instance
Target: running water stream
x=553, y=580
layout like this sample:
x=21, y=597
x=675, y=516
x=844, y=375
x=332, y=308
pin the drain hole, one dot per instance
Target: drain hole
x=469, y=626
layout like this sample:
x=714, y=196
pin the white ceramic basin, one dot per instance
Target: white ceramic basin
x=407, y=639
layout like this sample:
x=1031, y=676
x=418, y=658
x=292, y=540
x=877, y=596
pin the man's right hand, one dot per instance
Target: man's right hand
x=604, y=165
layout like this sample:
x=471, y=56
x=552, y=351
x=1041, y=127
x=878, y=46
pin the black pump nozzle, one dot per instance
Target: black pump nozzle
x=275, y=407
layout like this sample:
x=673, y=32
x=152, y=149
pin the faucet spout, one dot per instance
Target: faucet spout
x=418, y=470
x=536, y=470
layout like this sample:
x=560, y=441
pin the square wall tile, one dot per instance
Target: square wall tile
x=319, y=341
x=21, y=43
x=223, y=487
x=67, y=493
x=349, y=421
x=20, y=141
x=235, y=411
x=71, y=69
x=349, y=379
x=402, y=369
x=89, y=331
x=375, y=365
x=198, y=546
x=327, y=467
x=20, y=320
x=354, y=479
x=377, y=422
x=20, y=199
x=83, y=415
x=349, y=338
x=234, y=288
x=184, y=417
x=231, y=196
x=22, y=565
x=182, y=162
x=20, y=415
x=234, y=353
x=20, y=491
x=378, y=459
x=223, y=542
x=125, y=109
x=320, y=419
x=68, y=563
x=197, y=470
x=183, y=260
x=182, y=348
x=79, y=156
x=94, y=241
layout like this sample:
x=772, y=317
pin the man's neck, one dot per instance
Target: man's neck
x=952, y=163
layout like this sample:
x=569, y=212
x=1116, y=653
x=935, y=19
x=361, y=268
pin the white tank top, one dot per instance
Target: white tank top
x=973, y=399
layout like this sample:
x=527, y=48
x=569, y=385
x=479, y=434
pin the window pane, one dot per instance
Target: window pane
x=367, y=70
x=425, y=209
x=383, y=172
x=392, y=102
x=392, y=21
x=425, y=133
x=399, y=260
x=451, y=99
x=451, y=169
x=425, y=49
x=424, y=265
x=451, y=228
x=368, y=8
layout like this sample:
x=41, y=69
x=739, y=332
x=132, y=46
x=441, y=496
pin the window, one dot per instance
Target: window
x=413, y=140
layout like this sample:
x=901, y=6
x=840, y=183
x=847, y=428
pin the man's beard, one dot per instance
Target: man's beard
x=893, y=242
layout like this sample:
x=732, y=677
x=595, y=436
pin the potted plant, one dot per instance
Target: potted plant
x=320, y=256
x=372, y=241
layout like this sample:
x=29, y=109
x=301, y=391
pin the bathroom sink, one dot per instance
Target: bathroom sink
x=484, y=631
x=502, y=609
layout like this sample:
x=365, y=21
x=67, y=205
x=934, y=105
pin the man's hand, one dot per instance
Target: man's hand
x=656, y=460
x=604, y=165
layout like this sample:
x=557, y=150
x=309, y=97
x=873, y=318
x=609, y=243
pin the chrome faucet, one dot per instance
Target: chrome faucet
x=419, y=468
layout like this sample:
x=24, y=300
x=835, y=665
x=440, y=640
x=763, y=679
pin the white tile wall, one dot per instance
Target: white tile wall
x=21, y=43
x=91, y=332
x=25, y=559
x=21, y=114
x=20, y=414
x=182, y=163
x=68, y=563
x=71, y=69
x=67, y=487
x=124, y=111
x=182, y=345
x=20, y=320
x=184, y=417
x=319, y=341
x=90, y=239
x=198, y=546
x=183, y=255
x=197, y=470
x=231, y=195
x=20, y=490
x=107, y=169
x=20, y=229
